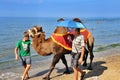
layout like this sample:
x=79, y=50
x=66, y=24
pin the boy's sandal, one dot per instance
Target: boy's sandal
x=27, y=78
x=82, y=75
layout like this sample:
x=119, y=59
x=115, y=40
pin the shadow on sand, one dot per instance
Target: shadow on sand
x=40, y=73
x=98, y=69
x=61, y=71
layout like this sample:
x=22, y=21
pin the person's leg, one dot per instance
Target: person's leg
x=82, y=73
x=75, y=73
x=26, y=67
x=74, y=63
x=26, y=71
x=27, y=76
x=78, y=69
x=23, y=64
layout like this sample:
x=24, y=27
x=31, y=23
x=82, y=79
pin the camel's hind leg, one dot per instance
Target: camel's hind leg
x=55, y=60
x=65, y=63
x=91, y=59
x=90, y=45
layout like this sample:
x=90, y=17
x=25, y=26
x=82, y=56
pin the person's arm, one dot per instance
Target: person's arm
x=16, y=54
x=30, y=42
x=82, y=50
x=82, y=55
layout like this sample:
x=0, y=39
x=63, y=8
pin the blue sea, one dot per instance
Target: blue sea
x=106, y=32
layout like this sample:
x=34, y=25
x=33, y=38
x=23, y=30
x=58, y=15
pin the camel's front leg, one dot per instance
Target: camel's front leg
x=91, y=60
x=55, y=60
x=65, y=63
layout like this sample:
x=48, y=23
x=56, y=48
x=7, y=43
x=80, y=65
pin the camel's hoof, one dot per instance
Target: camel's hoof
x=66, y=72
x=90, y=68
x=46, y=78
x=84, y=64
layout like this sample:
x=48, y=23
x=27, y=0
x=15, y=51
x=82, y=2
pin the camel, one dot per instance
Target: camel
x=46, y=47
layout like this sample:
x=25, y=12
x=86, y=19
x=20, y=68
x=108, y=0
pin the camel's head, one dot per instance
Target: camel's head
x=36, y=30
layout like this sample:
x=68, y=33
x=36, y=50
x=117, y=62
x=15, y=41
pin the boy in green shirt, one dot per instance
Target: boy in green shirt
x=23, y=46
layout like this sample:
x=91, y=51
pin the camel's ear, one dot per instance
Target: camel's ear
x=60, y=19
x=40, y=29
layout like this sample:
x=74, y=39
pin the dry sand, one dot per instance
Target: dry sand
x=104, y=68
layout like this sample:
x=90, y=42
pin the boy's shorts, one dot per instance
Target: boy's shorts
x=26, y=60
x=74, y=60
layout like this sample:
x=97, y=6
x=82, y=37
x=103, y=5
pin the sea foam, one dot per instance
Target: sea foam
x=9, y=76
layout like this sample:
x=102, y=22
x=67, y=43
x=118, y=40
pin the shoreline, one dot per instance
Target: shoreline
x=103, y=66
x=40, y=68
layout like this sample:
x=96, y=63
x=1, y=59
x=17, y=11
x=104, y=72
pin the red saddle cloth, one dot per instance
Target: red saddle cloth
x=63, y=40
x=85, y=33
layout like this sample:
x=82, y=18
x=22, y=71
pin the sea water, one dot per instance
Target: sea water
x=106, y=32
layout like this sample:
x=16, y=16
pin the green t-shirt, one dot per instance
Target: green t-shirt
x=24, y=47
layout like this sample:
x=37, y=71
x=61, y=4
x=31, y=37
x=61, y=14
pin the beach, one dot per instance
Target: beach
x=106, y=66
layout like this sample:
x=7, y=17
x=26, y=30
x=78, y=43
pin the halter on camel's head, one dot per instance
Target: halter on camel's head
x=36, y=30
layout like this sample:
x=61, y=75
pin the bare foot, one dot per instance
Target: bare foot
x=82, y=75
x=27, y=78
x=22, y=78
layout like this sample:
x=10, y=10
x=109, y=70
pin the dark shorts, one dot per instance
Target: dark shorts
x=74, y=60
x=26, y=60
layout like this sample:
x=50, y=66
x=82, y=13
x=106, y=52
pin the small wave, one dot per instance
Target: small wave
x=102, y=48
x=9, y=76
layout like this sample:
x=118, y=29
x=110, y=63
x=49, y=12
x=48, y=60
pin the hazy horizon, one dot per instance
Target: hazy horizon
x=59, y=8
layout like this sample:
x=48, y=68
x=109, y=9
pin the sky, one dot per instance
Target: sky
x=59, y=8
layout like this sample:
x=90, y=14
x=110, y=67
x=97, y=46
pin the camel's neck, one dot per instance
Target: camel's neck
x=36, y=43
x=41, y=45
